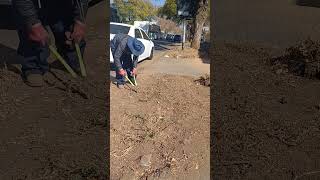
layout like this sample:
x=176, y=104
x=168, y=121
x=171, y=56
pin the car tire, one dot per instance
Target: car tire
x=151, y=55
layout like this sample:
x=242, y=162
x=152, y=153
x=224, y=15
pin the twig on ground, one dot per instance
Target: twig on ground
x=124, y=152
x=306, y=174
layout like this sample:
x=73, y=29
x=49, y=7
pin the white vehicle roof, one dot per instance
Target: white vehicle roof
x=122, y=24
x=128, y=25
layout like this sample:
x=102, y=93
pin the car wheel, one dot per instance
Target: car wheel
x=151, y=55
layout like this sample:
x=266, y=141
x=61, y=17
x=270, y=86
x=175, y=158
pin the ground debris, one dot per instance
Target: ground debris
x=155, y=129
x=203, y=80
x=145, y=160
x=263, y=119
x=302, y=59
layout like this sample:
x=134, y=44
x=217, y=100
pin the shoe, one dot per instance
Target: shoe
x=120, y=86
x=34, y=80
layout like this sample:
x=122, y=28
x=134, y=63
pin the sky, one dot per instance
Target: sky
x=158, y=2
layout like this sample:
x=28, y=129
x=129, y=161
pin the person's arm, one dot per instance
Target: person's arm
x=117, y=55
x=26, y=12
x=80, y=10
x=135, y=61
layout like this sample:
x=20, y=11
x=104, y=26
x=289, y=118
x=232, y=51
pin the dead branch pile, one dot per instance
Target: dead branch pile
x=302, y=59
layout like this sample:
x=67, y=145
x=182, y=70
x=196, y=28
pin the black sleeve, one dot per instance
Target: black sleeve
x=135, y=61
x=80, y=9
x=26, y=12
x=117, y=55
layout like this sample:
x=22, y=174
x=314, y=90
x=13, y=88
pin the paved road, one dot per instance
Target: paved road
x=277, y=22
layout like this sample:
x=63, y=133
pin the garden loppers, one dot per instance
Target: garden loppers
x=82, y=66
x=129, y=80
x=60, y=58
x=135, y=81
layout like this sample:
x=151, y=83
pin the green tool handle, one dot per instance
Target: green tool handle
x=129, y=80
x=135, y=81
x=60, y=58
x=82, y=67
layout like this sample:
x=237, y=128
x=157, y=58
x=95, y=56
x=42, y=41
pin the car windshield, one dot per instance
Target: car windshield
x=117, y=29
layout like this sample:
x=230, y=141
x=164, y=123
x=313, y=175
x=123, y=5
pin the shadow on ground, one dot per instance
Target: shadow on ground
x=9, y=59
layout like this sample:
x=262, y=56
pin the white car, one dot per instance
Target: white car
x=136, y=32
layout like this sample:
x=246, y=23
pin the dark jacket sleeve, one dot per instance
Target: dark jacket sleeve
x=80, y=9
x=135, y=61
x=26, y=12
x=118, y=53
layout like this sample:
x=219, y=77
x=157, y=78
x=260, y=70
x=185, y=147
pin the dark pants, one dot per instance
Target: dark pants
x=127, y=65
x=35, y=56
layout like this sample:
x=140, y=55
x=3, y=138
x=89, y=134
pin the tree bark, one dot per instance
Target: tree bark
x=198, y=22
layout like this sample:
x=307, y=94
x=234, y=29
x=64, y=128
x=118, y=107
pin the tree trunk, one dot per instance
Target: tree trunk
x=198, y=22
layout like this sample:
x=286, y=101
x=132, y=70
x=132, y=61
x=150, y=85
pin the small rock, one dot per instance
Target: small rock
x=145, y=160
x=166, y=56
x=197, y=166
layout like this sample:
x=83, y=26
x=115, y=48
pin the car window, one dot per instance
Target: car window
x=137, y=33
x=145, y=35
x=117, y=29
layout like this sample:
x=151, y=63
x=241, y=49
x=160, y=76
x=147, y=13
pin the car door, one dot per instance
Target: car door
x=138, y=35
x=147, y=44
x=148, y=47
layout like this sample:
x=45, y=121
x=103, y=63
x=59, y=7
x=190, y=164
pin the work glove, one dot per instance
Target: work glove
x=37, y=33
x=78, y=32
x=134, y=72
x=122, y=72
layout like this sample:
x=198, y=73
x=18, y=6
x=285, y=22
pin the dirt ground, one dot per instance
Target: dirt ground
x=160, y=128
x=266, y=124
x=58, y=131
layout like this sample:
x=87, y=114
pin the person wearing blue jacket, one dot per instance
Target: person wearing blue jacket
x=125, y=51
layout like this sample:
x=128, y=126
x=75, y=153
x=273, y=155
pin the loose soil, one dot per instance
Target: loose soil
x=265, y=124
x=57, y=131
x=160, y=128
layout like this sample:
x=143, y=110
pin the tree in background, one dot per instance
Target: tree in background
x=201, y=14
x=135, y=10
x=168, y=26
x=169, y=10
